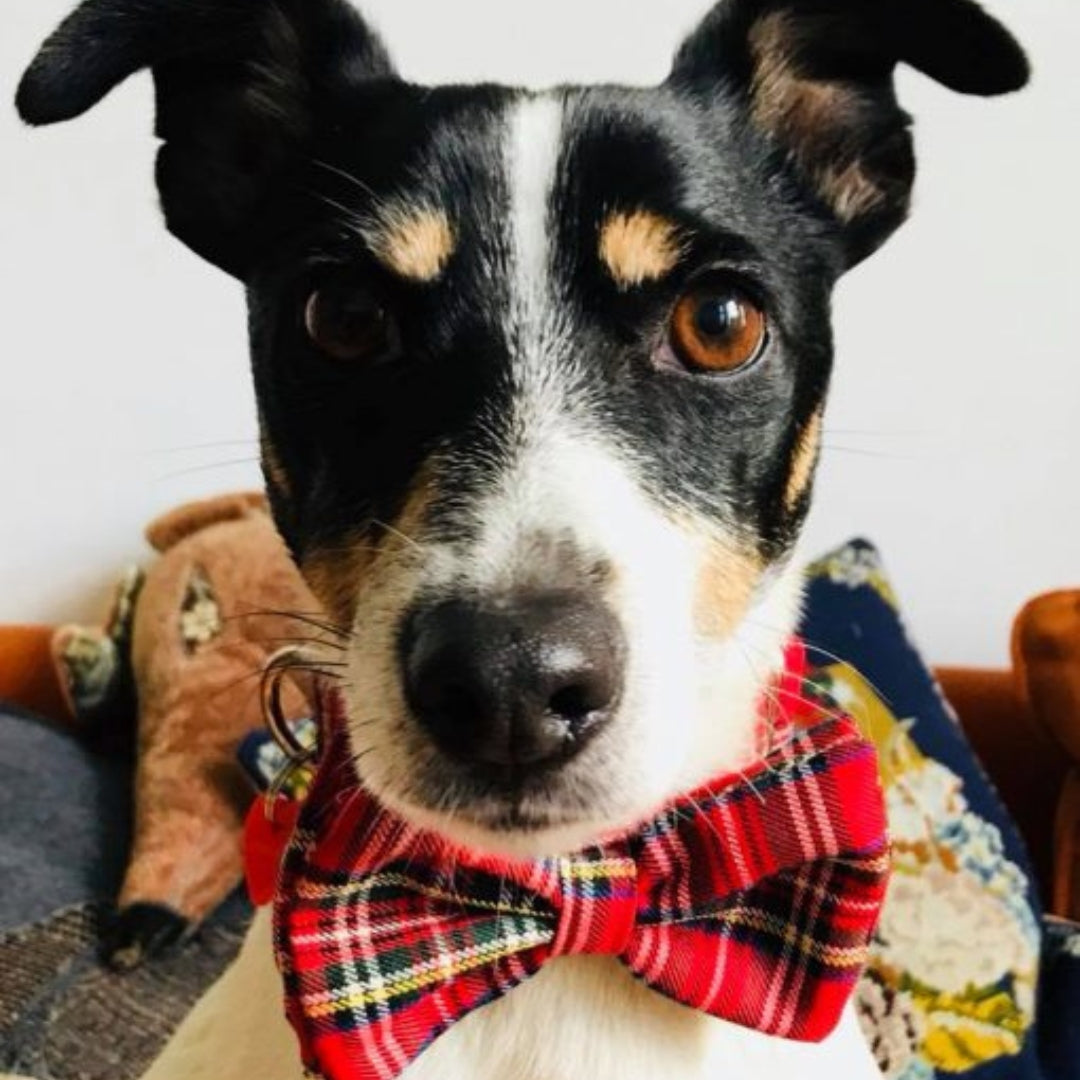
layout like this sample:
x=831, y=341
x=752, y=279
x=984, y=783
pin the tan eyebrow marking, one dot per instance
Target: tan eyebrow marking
x=639, y=246
x=414, y=241
x=803, y=460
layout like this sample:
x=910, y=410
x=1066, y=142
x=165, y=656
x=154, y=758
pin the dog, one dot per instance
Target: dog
x=540, y=381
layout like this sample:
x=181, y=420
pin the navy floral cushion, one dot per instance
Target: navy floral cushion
x=952, y=983
x=1059, y=1000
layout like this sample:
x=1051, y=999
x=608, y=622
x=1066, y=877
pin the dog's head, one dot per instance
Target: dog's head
x=540, y=376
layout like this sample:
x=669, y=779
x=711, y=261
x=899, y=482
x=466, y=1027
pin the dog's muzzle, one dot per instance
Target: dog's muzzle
x=513, y=683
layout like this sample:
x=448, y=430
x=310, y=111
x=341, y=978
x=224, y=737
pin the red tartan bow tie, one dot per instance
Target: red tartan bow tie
x=753, y=900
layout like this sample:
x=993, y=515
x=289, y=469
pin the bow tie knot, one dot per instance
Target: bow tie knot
x=598, y=905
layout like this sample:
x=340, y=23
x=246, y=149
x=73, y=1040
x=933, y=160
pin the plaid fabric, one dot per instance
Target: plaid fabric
x=752, y=899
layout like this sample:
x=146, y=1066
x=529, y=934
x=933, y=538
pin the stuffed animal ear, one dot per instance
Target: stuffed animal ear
x=174, y=525
x=239, y=83
x=816, y=78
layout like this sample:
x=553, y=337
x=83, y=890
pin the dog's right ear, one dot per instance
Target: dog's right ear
x=816, y=79
x=239, y=87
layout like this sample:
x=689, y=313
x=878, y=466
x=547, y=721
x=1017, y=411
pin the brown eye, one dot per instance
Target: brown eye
x=717, y=327
x=347, y=323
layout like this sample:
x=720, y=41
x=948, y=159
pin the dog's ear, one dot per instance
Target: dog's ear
x=816, y=77
x=239, y=87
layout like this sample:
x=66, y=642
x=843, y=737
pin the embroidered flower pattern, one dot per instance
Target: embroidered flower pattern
x=200, y=615
x=893, y=1026
x=855, y=565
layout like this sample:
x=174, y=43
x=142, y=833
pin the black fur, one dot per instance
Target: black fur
x=140, y=932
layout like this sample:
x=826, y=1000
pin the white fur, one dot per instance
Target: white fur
x=532, y=155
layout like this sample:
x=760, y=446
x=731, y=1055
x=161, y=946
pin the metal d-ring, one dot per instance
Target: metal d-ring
x=297, y=755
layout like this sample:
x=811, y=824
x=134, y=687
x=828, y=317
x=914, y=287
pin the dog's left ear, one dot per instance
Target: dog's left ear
x=241, y=87
x=816, y=77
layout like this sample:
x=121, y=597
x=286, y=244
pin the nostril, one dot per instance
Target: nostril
x=577, y=702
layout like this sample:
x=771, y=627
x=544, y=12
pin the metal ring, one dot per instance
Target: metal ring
x=297, y=755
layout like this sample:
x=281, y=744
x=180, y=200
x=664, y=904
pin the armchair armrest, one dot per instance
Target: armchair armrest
x=1046, y=656
x=1037, y=777
x=1066, y=896
x=27, y=676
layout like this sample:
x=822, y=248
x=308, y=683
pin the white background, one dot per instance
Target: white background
x=953, y=423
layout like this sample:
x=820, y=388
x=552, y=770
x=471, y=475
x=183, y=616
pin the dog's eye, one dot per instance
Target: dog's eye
x=346, y=322
x=717, y=327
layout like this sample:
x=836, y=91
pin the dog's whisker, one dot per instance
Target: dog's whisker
x=881, y=433
x=209, y=467
x=833, y=448
x=255, y=673
x=813, y=703
x=817, y=647
x=345, y=175
x=394, y=531
x=351, y=548
x=773, y=692
x=307, y=661
x=314, y=620
x=312, y=669
x=300, y=641
x=766, y=690
x=164, y=451
x=352, y=217
x=312, y=662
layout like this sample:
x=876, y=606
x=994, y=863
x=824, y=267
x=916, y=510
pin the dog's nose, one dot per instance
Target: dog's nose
x=516, y=682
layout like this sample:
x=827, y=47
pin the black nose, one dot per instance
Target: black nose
x=520, y=681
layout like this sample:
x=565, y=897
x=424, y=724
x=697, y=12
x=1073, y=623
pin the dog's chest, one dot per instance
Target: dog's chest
x=580, y=1017
x=588, y=1018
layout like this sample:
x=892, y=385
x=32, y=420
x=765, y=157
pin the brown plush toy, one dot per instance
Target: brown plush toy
x=191, y=637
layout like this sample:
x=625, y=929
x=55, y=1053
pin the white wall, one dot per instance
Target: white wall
x=952, y=426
